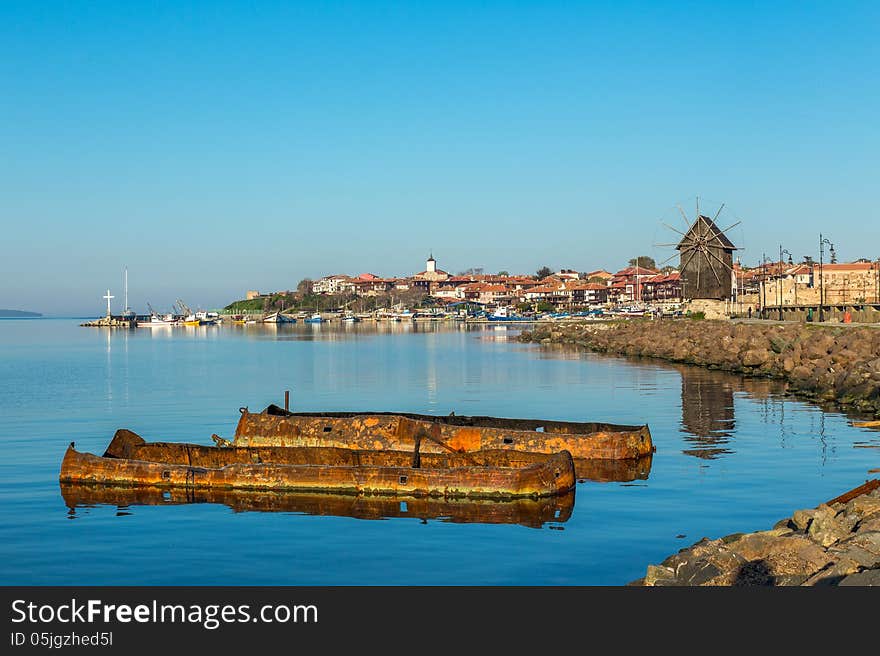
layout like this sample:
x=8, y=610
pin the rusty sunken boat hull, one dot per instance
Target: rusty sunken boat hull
x=192, y=466
x=533, y=513
x=388, y=431
x=127, y=444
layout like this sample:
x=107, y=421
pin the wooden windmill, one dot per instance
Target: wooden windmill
x=705, y=257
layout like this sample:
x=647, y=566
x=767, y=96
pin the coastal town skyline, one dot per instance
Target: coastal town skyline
x=750, y=274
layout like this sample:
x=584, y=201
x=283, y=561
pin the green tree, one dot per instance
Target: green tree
x=543, y=272
x=503, y=273
x=644, y=261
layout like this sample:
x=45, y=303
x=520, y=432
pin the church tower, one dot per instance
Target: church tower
x=431, y=264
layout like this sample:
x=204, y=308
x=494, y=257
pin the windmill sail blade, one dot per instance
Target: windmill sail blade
x=725, y=264
x=718, y=213
x=674, y=229
x=712, y=267
x=684, y=264
x=687, y=221
x=716, y=234
x=673, y=256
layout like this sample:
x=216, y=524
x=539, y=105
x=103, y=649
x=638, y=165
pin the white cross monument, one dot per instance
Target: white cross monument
x=108, y=297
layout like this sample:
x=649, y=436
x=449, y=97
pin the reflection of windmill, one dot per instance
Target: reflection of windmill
x=706, y=257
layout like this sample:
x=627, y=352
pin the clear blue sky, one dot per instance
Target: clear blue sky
x=216, y=147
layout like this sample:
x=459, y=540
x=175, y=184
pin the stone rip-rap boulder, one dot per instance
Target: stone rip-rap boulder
x=828, y=545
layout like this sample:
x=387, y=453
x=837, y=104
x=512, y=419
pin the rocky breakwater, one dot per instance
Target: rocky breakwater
x=822, y=363
x=837, y=543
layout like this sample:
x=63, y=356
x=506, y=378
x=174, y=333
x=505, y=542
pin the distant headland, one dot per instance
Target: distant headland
x=21, y=314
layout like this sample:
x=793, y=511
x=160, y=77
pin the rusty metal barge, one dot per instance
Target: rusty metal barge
x=129, y=460
x=389, y=431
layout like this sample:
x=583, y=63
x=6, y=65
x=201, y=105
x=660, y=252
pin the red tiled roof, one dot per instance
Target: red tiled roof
x=848, y=266
x=543, y=289
x=635, y=271
x=664, y=277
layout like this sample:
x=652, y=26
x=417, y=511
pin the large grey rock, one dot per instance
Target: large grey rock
x=868, y=577
x=780, y=556
x=867, y=540
x=802, y=518
x=657, y=573
x=826, y=529
x=785, y=522
x=755, y=357
x=854, y=553
x=870, y=524
x=864, y=506
x=704, y=567
x=835, y=573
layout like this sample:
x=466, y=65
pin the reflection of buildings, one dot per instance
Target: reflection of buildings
x=707, y=417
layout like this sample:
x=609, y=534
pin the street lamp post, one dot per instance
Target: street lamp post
x=822, y=242
x=779, y=277
x=638, y=287
x=764, y=285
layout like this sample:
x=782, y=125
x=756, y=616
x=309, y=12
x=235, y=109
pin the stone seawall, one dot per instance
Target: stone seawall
x=820, y=363
x=837, y=543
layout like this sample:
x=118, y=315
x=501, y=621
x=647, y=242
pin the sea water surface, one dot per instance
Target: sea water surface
x=732, y=455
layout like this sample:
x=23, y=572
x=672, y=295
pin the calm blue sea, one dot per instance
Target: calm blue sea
x=732, y=455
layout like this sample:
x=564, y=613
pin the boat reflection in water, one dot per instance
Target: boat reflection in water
x=612, y=471
x=533, y=513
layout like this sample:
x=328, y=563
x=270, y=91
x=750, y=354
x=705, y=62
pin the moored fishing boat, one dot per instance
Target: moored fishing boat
x=505, y=314
x=278, y=317
x=159, y=321
x=130, y=461
x=399, y=432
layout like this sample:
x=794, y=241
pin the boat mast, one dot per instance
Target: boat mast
x=127, y=310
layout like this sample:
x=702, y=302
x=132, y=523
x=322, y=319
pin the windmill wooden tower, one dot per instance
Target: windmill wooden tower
x=705, y=258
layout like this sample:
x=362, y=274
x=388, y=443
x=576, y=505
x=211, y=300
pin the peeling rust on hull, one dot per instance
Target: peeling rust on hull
x=346, y=472
x=532, y=513
x=127, y=444
x=400, y=432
